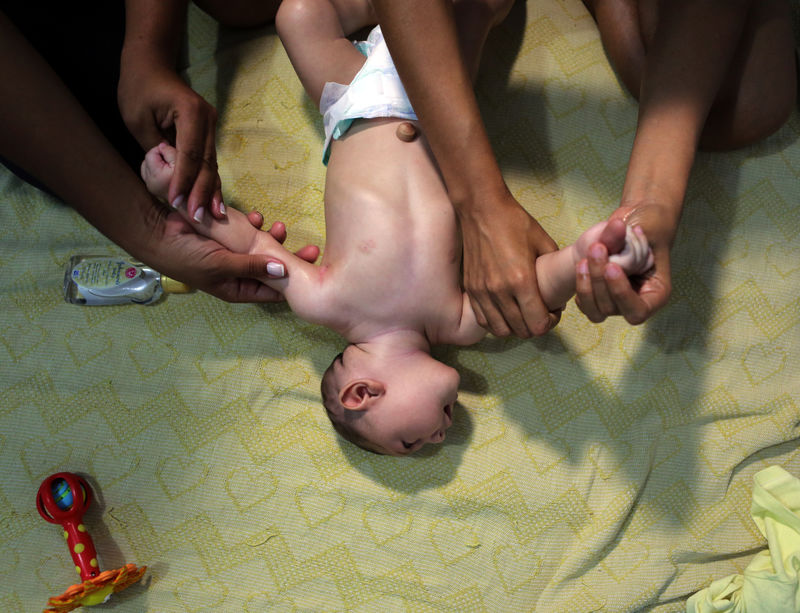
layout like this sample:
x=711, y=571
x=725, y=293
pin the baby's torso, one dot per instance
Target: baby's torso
x=392, y=254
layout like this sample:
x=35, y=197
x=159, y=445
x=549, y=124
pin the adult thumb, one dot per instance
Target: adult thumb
x=249, y=266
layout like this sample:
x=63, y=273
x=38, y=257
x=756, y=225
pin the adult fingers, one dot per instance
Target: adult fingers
x=244, y=290
x=248, y=266
x=217, y=206
x=584, y=294
x=195, y=180
x=598, y=260
x=629, y=303
x=613, y=236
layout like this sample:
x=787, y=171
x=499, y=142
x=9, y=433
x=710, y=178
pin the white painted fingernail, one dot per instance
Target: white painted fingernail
x=275, y=269
x=198, y=215
x=222, y=208
x=177, y=202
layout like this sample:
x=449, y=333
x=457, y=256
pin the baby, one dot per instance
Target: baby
x=389, y=277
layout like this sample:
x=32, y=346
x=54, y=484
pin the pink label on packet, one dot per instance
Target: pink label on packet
x=130, y=272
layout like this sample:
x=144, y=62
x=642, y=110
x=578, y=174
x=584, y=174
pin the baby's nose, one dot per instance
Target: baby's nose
x=438, y=436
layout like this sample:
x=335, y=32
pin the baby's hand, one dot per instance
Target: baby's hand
x=636, y=257
x=157, y=169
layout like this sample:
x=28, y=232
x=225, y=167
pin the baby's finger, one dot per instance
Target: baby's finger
x=168, y=153
x=309, y=253
x=256, y=219
x=278, y=231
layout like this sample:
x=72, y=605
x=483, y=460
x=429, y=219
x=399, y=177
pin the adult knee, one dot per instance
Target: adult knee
x=495, y=10
x=240, y=13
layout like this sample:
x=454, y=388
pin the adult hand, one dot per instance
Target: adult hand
x=156, y=104
x=206, y=265
x=500, y=251
x=603, y=289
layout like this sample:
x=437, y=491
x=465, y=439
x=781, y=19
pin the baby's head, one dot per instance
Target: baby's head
x=389, y=404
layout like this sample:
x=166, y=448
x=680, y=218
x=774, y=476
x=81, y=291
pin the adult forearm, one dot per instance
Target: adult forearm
x=686, y=63
x=153, y=32
x=46, y=132
x=422, y=38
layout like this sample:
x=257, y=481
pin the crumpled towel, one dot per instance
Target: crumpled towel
x=771, y=582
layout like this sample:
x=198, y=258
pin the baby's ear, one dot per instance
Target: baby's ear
x=361, y=394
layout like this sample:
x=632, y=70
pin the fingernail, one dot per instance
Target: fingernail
x=222, y=208
x=583, y=267
x=596, y=251
x=275, y=269
x=198, y=215
x=638, y=230
x=613, y=272
x=178, y=201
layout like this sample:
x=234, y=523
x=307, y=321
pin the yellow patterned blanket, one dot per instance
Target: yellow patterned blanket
x=602, y=468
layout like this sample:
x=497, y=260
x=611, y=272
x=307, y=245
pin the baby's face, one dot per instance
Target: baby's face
x=416, y=407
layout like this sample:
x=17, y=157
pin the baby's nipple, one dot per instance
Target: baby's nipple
x=406, y=131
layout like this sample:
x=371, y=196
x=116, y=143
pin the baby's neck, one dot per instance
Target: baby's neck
x=395, y=342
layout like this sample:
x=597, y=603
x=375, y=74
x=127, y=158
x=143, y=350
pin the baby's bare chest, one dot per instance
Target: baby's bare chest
x=390, y=229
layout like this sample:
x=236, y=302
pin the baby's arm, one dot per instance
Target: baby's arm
x=556, y=271
x=300, y=286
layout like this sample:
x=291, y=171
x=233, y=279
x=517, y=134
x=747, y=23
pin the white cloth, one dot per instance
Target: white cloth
x=375, y=91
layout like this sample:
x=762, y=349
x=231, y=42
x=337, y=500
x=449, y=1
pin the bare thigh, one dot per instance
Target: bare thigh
x=759, y=89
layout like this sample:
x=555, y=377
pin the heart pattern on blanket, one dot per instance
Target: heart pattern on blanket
x=20, y=340
x=785, y=257
x=384, y=523
x=56, y=573
x=86, y=344
x=317, y=506
x=453, y=540
x=515, y=566
x=110, y=464
x=40, y=457
x=249, y=486
x=151, y=357
x=214, y=367
x=619, y=114
x=199, y=594
x=178, y=475
x=764, y=361
x=625, y=559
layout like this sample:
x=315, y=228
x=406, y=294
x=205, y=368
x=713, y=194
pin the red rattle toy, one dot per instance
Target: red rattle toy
x=62, y=499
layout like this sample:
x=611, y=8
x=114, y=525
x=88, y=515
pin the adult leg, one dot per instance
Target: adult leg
x=474, y=19
x=756, y=92
x=692, y=49
x=240, y=13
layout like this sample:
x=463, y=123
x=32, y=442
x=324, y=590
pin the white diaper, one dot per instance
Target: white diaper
x=375, y=91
